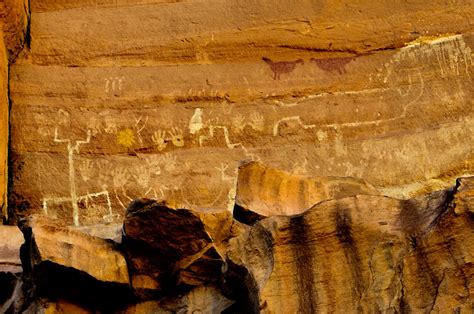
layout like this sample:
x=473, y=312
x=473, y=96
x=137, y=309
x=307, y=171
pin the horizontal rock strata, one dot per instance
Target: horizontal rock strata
x=236, y=156
x=101, y=116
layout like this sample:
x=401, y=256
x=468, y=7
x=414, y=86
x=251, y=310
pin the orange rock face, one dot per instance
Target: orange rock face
x=13, y=29
x=3, y=126
x=364, y=253
x=268, y=191
x=369, y=254
x=102, y=115
x=237, y=156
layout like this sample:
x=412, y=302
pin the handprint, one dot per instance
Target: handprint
x=120, y=177
x=177, y=137
x=86, y=170
x=153, y=164
x=95, y=126
x=238, y=124
x=257, y=122
x=158, y=139
x=169, y=162
x=110, y=125
x=142, y=176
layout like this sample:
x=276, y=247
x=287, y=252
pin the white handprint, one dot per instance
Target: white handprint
x=257, y=122
x=238, y=124
x=177, y=137
x=158, y=139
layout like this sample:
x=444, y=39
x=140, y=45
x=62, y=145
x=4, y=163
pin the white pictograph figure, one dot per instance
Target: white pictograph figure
x=209, y=130
x=75, y=199
x=211, y=134
x=195, y=124
x=139, y=126
x=72, y=172
x=276, y=127
x=120, y=177
x=233, y=181
x=413, y=95
x=114, y=84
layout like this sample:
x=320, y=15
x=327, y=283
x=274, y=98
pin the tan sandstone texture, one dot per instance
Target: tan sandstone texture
x=237, y=156
x=3, y=126
x=13, y=29
x=116, y=100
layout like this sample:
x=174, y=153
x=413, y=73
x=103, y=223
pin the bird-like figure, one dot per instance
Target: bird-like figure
x=278, y=68
x=333, y=64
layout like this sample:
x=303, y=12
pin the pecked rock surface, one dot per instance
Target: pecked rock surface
x=117, y=100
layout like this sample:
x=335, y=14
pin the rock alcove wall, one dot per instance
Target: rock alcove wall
x=350, y=122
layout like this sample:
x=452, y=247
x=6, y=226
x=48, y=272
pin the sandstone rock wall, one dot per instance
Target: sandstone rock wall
x=237, y=156
x=14, y=20
x=3, y=126
x=13, y=35
x=123, y=99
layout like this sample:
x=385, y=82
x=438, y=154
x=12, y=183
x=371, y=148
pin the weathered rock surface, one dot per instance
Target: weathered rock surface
x=203, y=299
x=3, y=127
x=269, y=192
x=102, y=115
x=366, y=108
x=167, y=247
x=13, y=36
x=364, y=253
x=373, y=254
x=11, y=239
x=11, y=297
x=67, y=264
x=14, y=20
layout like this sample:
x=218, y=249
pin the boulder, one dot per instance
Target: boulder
x=167, y=247
x=202, y=299
x=371, y=254
x=65, y=263
x=11, y=293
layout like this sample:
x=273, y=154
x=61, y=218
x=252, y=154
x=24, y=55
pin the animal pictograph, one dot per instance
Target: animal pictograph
x=333, y=64
x=282, y=67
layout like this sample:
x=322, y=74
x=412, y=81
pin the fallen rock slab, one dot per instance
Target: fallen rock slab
x=203, y=299
x=68, y=264
x=11, y=296
x=11, y=240
x=169, y=247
